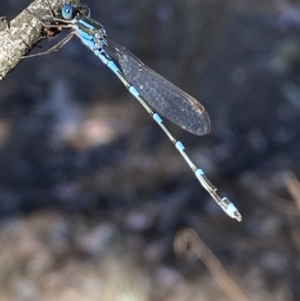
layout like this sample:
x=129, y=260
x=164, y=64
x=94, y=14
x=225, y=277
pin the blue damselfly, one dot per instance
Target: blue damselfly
x=148, y=87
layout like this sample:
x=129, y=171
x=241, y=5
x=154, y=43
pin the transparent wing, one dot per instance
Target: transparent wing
x=164, y=97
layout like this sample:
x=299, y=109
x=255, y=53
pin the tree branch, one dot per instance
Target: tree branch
x=22, y=33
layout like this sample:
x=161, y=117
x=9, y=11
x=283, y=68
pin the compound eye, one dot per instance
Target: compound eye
x=67, y=11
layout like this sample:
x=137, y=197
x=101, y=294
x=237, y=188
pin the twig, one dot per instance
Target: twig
x=283, y=205
x=188, y=243
x=293, y=186
x=22, y=33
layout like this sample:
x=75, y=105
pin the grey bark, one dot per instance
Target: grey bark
x=22, y=33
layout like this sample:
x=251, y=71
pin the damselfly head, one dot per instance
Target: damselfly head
x=68, y=11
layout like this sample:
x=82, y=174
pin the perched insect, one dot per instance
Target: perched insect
x=148, y=87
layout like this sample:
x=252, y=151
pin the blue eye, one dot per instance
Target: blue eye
x=67, y=11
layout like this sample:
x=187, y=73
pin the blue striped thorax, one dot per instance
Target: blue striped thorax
x=88, y=29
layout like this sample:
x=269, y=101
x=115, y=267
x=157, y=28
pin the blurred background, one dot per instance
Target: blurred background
x=93, y=195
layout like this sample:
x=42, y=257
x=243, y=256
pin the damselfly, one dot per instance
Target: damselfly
x=148, y=87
